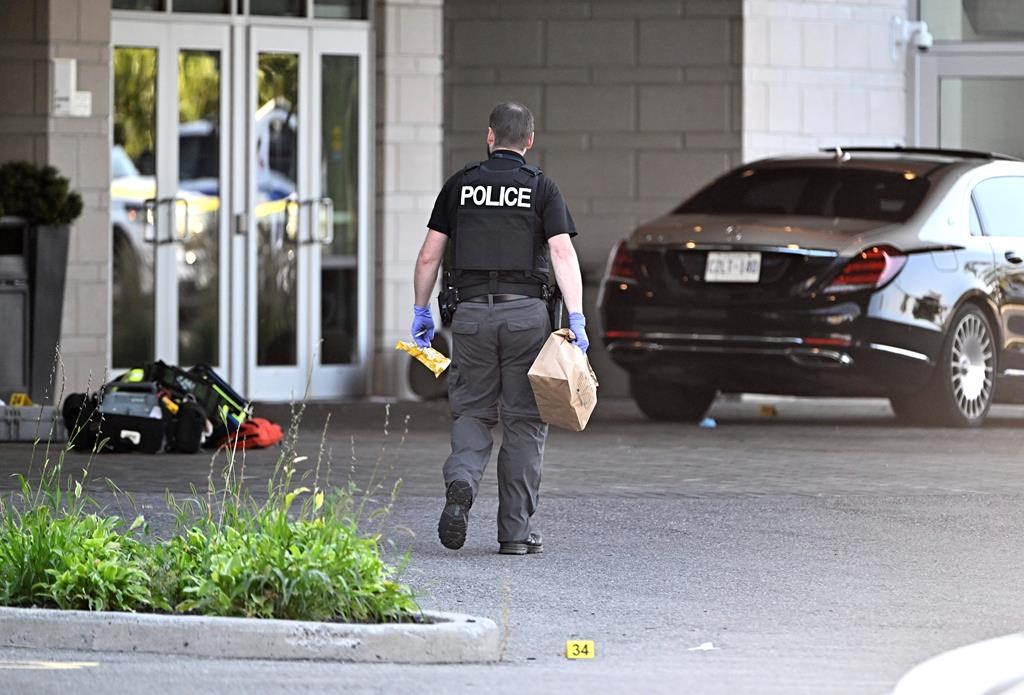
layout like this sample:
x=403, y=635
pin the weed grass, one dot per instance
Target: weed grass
x=301, y=553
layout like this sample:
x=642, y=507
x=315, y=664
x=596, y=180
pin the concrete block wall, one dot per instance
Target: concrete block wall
x=637, y=104
x=24, y=80
x=817, y=73
x=32, y=33
x=409, y=165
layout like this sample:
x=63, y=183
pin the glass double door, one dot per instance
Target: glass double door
x=239, y=200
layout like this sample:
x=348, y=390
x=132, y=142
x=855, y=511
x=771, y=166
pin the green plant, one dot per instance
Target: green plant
x=55, y=553
x=40, y=195
x=99, y=568
x=279, y=559
x=298, y=554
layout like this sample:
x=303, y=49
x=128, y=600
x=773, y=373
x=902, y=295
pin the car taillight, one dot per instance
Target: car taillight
x=622, y=266
x=621, y=335
x=870, y=268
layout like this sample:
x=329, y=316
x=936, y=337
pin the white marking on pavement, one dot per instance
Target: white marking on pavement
x=45, y=665
x=705, y=647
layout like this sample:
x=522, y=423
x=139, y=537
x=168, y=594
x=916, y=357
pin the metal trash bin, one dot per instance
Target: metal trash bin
x=14, y=307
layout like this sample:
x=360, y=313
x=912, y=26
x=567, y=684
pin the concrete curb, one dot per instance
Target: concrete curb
x=449, y=637
x=992, y=666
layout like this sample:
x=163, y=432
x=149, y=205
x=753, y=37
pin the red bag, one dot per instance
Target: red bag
x=254, y=433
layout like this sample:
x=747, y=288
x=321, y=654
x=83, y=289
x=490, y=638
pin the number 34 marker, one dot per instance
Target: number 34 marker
x=579, y=649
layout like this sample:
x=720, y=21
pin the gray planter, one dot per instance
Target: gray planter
x=48, y=266
x=14, y=306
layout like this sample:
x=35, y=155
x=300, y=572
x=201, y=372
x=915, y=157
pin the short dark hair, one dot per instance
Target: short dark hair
x=512, y=124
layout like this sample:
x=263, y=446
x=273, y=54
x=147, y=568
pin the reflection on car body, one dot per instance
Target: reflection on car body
x=865, y=272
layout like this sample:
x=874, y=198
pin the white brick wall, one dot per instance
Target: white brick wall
x=636, y=103
x=32, y=33
x=82, y=30
x=409, y=156
x=817, y=73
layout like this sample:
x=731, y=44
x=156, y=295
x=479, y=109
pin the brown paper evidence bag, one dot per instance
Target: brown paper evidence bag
x=563, y=382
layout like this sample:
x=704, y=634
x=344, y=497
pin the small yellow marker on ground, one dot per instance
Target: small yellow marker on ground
x=19, y=399
x=579, y=649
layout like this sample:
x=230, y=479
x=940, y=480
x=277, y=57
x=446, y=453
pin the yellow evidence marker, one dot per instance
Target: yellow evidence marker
x=579, y=649
x=19, y=399
x=431, y=358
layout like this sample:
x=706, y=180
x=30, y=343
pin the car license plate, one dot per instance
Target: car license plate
x=729, y=266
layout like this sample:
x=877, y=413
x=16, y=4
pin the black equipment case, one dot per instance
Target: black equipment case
x=131, y=418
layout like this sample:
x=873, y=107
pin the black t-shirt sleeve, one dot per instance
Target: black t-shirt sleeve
x=556, y=218
x=441, y=216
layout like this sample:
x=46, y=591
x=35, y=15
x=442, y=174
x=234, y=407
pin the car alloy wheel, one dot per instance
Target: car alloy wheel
x=961, y=387
x=972, y=364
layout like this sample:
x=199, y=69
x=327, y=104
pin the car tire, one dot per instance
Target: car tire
x=960, y=391
x=665, y=401
x=907, y=409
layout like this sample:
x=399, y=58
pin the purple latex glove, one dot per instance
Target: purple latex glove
x=578, y=326
x=422, y=326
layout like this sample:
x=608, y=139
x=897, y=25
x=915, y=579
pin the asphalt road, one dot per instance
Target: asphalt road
x=821, y=550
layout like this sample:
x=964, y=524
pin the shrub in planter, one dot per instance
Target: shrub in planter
x=38, y=195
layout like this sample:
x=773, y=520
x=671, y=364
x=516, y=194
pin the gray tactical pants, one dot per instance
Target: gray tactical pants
x=493, y=347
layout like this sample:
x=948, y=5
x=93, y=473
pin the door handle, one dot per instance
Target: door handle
x=292, y=208
x=1012, y=257
x=325, y=226
x=151, y=232
x=322, y=213
x=182, y=235
x=150, y=205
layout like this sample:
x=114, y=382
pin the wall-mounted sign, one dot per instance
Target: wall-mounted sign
x=67, y=100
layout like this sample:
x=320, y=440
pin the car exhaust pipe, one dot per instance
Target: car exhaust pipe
x=816, y=357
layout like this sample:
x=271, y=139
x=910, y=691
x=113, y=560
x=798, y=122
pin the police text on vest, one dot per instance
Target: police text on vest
x=507, y=196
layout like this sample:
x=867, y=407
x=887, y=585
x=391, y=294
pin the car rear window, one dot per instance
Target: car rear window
x=815, y=191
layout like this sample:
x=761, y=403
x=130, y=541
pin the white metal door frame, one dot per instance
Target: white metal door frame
x=285, y=381
x=960, y=60
x=329, y=380
x=169, y=39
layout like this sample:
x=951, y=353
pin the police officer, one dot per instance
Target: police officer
x=511, y=240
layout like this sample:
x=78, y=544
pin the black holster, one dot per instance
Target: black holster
x=447, y=300
x=553, y=296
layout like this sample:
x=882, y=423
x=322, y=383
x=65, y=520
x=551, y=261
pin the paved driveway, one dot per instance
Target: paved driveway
x=823, y=550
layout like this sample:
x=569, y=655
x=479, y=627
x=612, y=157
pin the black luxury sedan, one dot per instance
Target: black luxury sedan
x=889, y=272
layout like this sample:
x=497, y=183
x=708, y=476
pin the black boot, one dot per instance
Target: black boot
x=451, y=528
x=532, y=545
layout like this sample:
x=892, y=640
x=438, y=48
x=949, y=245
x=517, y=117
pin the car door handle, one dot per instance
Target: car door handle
x=1012, y=257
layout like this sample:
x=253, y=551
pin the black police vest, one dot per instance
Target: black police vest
x=499, y=242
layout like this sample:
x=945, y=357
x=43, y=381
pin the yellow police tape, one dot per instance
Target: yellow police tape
x=431, y=358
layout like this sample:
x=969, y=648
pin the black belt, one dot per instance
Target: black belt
x=520, y=289
x=495, y=298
